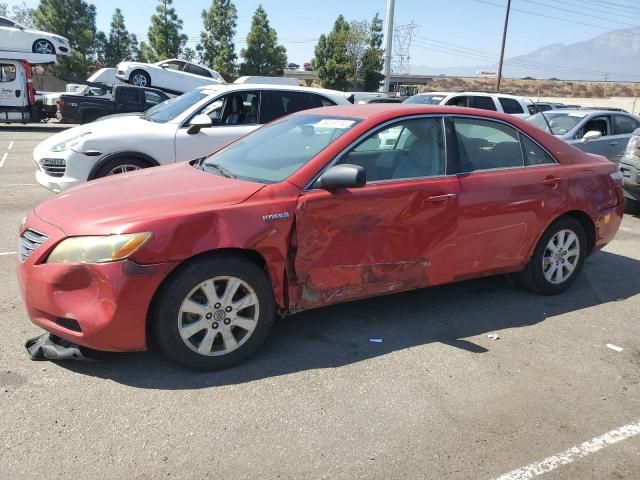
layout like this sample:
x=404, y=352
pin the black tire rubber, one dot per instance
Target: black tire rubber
x=631, y=206
x=144, y=74
x=89, y=117
x=33, y=47
x=532, y=277
x=111, y=164
x=164, y=314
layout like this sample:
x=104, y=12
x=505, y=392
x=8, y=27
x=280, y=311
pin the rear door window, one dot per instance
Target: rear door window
x=624, y=125
x=482, y=102
x=459, y=101
x=486, y=145
x=511, y=106
x=283, y=103
x=533, y=153
x=196, y=70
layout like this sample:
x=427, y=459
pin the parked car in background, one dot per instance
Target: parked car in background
x=535, y=107
x=630, y=169
x=173, y=76
x=306, y=212
x=293, y=66
x=85, y=108
x=187, y=127
x=497, y=102
x=308, y=67
x=17, y=38
x=601, y=132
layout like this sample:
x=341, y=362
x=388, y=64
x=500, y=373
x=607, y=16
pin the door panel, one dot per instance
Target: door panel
x=502, y=213
x=382, y=238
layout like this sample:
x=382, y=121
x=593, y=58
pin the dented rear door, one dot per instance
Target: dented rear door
x=382, y=238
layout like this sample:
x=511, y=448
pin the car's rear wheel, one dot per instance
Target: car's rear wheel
x=140, y=78
x=120, y=165
x=214, y=313
x=557, y=259
x=43, y=46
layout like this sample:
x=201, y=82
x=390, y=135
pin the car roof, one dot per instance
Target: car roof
x=469, y=92
x=216, y=88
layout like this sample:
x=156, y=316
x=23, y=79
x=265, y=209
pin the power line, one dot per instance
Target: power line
x=614, y=5
x=580, y=13
x=599, y=10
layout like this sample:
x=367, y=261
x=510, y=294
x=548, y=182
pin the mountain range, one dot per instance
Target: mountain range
x=614, y=55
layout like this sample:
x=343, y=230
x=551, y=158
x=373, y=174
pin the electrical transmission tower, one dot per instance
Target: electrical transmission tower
x=402, y=36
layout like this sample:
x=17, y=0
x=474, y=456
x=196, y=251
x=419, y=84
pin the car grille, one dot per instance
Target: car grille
x=54, y=167
x=30, y=240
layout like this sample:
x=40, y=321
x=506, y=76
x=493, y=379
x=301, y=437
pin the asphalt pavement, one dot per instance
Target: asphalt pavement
x=435, y=399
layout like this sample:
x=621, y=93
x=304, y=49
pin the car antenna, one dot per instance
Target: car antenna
x=538, y=110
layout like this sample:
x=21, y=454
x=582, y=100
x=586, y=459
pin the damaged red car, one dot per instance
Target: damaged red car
x=320, y=207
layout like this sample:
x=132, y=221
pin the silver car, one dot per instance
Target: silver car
x=593, y=131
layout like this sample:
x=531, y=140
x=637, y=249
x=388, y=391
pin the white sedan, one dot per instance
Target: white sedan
x=173, y=76
x=183, y=128
x=16, y=38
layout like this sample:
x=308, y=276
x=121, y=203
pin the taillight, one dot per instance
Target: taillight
x=61, y=103
x=617, y=178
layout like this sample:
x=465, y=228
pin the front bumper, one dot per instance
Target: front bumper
x=100, y=306
x=76, y=169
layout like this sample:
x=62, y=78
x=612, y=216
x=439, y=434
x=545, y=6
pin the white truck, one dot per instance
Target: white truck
x=17, y=94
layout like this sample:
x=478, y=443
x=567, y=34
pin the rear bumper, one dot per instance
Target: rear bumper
x=607, y=225
x=100, y=306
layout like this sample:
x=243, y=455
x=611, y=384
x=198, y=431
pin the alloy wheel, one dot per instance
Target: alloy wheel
x=139, y=80
x=44, y=47
x=123, y=169
x=218, y=316
x=561, y=256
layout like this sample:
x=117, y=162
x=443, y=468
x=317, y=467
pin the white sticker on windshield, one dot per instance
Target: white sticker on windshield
x=334, y=123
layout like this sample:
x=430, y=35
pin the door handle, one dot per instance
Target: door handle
x=442, y=198
x=552, y=181
x=613, y=143
x=18, y=93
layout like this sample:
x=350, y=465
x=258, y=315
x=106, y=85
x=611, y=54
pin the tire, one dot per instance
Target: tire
x=89, y=117
x=140, y=78
x=120, y=165
x=540, y=279
x=43, y=46
x=631, y=206
x=196, y=297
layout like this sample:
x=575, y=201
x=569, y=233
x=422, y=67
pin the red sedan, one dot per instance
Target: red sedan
x=320, y=207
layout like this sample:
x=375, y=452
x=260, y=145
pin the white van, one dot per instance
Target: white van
x=17, y=93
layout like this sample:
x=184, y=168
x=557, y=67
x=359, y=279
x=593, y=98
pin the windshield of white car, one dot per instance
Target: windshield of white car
x=274, y=152
x=560, y=122
x=170, y=109
x=425, y=99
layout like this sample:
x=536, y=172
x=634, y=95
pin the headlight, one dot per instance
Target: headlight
x=70, y=143
x=109, y=248
x=632, y=146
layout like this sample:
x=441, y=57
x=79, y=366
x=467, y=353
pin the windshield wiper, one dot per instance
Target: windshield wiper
x=218, y=168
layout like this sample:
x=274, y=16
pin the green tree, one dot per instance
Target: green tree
x=373, y=59
x=19, y=13
x=216, y=48
x=263, y=55
x=165, y=39
x=331, y=62
x=120, y=45
x=146, y=53
x=75, y=20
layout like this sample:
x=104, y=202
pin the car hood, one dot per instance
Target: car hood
x=124, y=203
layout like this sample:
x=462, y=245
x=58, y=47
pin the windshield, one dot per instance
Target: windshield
x=425, y=99
x=170, y=109
x=274, y=152
x=561, y=122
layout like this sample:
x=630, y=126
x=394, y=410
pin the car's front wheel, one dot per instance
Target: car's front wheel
x=140, y=78
x=120, y=165
x=43, y=46
x=557, y=259
x=214, y=313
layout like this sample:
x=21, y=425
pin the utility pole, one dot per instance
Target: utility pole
x=388, y=37
x=504, y=41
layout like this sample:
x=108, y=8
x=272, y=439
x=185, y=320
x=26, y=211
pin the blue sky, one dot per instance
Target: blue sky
x=474, y=25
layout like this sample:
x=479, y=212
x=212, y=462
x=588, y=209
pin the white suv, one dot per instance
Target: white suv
x=183, y=128
x=498, y=102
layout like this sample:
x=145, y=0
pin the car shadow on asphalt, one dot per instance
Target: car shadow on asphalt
x=340, y=335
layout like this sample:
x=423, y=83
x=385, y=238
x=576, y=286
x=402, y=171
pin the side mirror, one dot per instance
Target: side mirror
x=591, y=135
x=342, y=176
x=199, y=122
x=164, y=65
